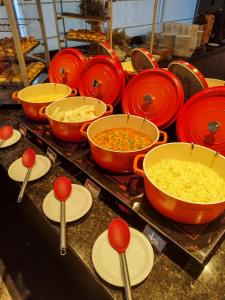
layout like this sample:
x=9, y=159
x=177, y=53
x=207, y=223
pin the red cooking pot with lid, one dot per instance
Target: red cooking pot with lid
x=190, y=77
x=66, y=67
x=105, y=49
x=102, y=77
x=201, y=120
x=140, y=59
x=156, y=95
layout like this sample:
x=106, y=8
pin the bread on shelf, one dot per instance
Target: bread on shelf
x=86, y=34
x=7, y=47
x=13, y=75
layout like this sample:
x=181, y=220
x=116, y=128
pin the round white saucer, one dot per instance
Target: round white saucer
x=11, y=141
x=139, y=255
x=77, y=205
x=17, y=171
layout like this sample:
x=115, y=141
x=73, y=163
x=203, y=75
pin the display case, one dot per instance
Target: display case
x=83, y=22
x=24, y=55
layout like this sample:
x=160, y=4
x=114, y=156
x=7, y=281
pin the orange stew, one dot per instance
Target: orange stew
x=122, y=139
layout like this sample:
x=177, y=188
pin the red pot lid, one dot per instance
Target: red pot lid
x=102, y=77
x=156, y=95
x=106, y=50
x=202, y=119
x=191, y=78
x=141, y=60
x=66, y=67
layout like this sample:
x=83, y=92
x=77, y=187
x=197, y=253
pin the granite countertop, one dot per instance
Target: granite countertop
x=174, y=276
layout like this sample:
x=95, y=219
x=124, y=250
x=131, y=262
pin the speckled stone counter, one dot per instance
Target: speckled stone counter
x=174, y=275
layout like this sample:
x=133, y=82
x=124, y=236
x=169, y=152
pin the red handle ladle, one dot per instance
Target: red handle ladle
x=62, y=190
x=119, y=239
x=28, y=160
x=5, y=133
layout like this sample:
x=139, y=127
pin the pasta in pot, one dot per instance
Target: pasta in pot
x=79, y=114
x=189, y=181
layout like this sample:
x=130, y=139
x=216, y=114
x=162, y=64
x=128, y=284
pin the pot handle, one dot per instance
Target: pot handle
x=136, y=169
x=109, y=110
x=83, y=129
x=73, y=93
x=15, y=96
x=164, y=135
x=42, y=112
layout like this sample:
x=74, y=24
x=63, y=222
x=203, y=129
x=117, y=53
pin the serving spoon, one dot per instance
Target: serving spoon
x=5, y=133
x=119, y=239
x=28, y=160
x=62, y=190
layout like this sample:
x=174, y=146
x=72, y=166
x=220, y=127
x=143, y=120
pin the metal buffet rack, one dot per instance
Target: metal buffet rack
x=11, y=23
x=61, y=13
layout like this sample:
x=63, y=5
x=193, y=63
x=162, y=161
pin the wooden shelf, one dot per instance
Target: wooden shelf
x=86, y=18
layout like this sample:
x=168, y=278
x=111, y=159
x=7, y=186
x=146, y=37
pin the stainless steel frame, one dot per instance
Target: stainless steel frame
x=58, y=16
x=14, y=28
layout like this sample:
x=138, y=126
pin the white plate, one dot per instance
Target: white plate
x=139, y=254
x=77, y=205
x=17, y=171
x=213, y=44
x=11, y=141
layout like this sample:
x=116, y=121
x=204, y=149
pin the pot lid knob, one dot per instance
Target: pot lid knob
x=214, y=126
x=96, y=83
x=148, y=99
x=63, y=72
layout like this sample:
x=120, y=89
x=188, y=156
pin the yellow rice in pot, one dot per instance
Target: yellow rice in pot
x=189, y=181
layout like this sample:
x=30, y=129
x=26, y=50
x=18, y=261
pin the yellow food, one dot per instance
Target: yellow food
x=122, y=139
x=79, y=114
x=214, y=82
x=188, y=181
x=127, y=66
x=45, y=98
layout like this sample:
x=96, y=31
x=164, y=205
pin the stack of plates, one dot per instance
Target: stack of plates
x=182, y=46
x=199, y=41
x=193, y=32
x=167, y=40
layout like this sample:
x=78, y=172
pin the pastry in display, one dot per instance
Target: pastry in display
x=13, y=74
x=7, y=48
x=34, y=69
x=86, y=34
